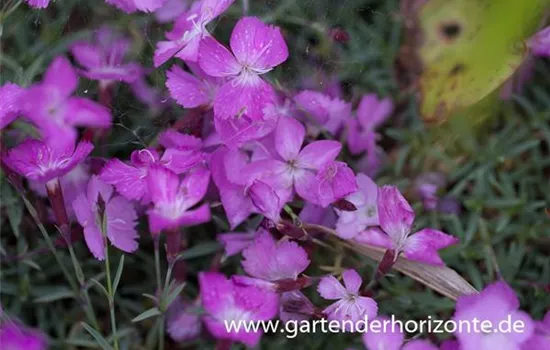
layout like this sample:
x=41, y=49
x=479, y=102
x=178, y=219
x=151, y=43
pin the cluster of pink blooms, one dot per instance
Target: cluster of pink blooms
x=259, y=150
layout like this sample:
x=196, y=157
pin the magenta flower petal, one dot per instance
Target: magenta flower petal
x=257, y=45
x=41, y=4
x=295, y=306
x=419, y=345
x=376, y=237
x=351, y=223
x=372, y=112
x=10, y=103
x=235, y=242
x=424, y=244
x=62, y=75
x=349, y=305
x=395, y=214
x=94, y=241
x=128, y=180
x=497, y=302
x=148, y=5
x=121, y=229
x=266, y=200
x=243, y=96
x=224, y=301
x=13, y=336
x=186, y=89
x=540, y=43
x=289, y=136
x=216, y=60
x=334, y=181
x=328, y=112
x=85, y=112
x=392, y=339
x=330, y=288
x=183, y=323
x=317, y=153
x=270, y=260
x=36, y=161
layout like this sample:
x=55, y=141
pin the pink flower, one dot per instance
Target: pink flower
x=389, y=338
x=351, y=223
x=541, y=336
x=171, y=10
x=242, y=193
x=350, y=305
x=540, y=43
x=191, y=91
x=130, y=180
x=295, y=168
x=173, y=199
x=236, y=242
x=103, y=58
x=119, y=218
x=37, y=161
x=314, y=214
x=130, y=6
x=330, y=113
x=189, y=30
x=333, y=181
x=497, y=302
x=13, y=336
x=41, y=4
x=225, y=301
x=396, y=220
x=183, y=323
x=371, y=113
x=10, y=103
x=257, y=49
x=272, y=261
x=51, y=108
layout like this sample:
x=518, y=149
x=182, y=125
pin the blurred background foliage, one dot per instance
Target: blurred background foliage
x=502, y=179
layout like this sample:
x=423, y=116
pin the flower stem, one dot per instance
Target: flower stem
x=111, y=296
x=156, y=244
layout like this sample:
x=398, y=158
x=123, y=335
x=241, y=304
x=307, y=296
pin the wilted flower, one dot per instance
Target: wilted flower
x=272, y=261
x=330, y=113
x=257, y=49
x=189, y=30
x=295, y=306
x=39, y=162
x=497, y=302
x=350, y=305
x=173, y=199
x=13, y=336
x=103, y=58
x=10, y=103
x=50, y=106
x=351, y=223
x=225, y=301
x=396, y=220
x=101, y=213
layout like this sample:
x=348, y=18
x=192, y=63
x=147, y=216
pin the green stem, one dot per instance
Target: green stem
x=111, y=296
x=90, y=312
x=160, y=293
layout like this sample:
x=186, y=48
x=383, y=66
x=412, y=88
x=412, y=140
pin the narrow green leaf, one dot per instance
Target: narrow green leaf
x=172, y=295
x=98, y=337
x=199, y=250
x=58, y=294
x=147, y=314
x=118, y=273
x=100, y=287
